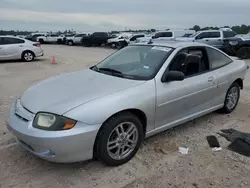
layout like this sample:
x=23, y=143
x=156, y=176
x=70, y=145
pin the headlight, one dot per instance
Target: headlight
x=52, y=122
x=233, y=42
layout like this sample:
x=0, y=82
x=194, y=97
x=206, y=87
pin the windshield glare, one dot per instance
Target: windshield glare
x=194, y=34
x=137, y=62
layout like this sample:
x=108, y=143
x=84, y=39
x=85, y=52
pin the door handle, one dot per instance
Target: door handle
x=207, y=40
x=210, y=79
x=20, y=45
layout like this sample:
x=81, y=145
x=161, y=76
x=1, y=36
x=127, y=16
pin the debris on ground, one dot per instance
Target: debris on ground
x=183, y=150
x=240, y=141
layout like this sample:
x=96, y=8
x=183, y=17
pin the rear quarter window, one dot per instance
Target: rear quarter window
x=216, y=58
x=228, y=34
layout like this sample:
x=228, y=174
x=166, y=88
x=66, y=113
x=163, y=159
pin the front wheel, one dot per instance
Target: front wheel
x=243, y=53
x=232, y=98
x=119, y=139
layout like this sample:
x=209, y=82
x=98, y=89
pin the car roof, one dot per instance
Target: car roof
x=173, y=43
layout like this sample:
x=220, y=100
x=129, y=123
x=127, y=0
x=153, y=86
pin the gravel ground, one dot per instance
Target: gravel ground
x=149, y=168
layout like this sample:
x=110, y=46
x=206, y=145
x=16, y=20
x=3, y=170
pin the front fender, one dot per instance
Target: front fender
x=141, y=97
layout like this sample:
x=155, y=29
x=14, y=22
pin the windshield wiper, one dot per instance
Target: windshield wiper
x=112, y=72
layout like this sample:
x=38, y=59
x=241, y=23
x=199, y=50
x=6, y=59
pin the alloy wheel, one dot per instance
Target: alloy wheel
x=122, y=140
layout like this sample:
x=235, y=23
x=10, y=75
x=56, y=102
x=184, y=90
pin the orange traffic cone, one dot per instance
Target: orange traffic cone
x=54, y=60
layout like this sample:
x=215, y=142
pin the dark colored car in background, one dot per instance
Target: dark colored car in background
x=33, y=37
x=237, y=46
x=95, y=39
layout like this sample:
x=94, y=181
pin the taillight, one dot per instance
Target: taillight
x=37, y=44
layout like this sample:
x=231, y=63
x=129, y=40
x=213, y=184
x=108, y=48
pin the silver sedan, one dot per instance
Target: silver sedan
x=106, y=111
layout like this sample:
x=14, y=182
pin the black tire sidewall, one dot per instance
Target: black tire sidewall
x=225, y=108
x=25, y=53
x=242, y=53
x=105, y=131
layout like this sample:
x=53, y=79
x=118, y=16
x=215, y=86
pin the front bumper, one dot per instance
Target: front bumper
x=66, y=146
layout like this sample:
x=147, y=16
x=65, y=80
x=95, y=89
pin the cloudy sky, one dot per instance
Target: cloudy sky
x=104, y=15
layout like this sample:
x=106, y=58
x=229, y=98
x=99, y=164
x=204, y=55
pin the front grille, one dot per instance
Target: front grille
x=21, y=117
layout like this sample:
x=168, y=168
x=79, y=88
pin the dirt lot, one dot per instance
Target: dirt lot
x=149, y=168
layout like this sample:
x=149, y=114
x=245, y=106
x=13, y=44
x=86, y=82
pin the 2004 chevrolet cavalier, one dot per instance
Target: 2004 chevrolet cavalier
x=107, y=110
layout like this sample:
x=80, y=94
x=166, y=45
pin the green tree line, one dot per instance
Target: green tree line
x=243, y=29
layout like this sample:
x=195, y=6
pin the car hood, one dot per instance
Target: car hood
x=64, y=92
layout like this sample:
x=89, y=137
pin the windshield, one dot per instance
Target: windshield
x=194, y=34
x=135, y=62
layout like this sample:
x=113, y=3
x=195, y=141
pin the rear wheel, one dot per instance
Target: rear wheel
x=119, y=139
x=243, y=53
x=114, y=45
x=28, y=56
x=70, y=43
x=232, y=98
x=41, y=41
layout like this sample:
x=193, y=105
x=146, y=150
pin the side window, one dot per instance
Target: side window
x=8, y=40
x=1, y=41
x=228, y=34
x=203, y=35
x=190, y=61
x=80, y=35
x=167, y=34
x=133, y=38
x=214, y=34
x=217, y=59
x=157, y=35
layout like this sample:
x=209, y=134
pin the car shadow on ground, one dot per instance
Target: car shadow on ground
x=20, y=61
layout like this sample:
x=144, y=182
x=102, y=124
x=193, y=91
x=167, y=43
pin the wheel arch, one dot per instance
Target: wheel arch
x=27, y=51
x=240, y=82
x=138, y=113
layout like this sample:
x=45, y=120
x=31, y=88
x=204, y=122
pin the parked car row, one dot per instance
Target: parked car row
x=29, y=47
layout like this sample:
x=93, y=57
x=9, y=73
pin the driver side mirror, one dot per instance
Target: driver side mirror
x=169, y=76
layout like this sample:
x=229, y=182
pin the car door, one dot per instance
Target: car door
x=180, y=100
x=203, y=37
x=78, y=38
x=12, y=48
x=218, y=64
x=215, y=39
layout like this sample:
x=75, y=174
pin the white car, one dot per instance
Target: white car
x=14, y=48
x=75, y=39
x=50, y=38
x=213, y=38
x=164, y=35
x=124, y=40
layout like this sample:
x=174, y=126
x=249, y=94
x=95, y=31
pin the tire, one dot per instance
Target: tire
x=114, y=45
x=28, y=56
x=243, y=52
x=234, y=90
x=59, y=41
x=70, y=43
x=41, y=41
x=131, y=124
